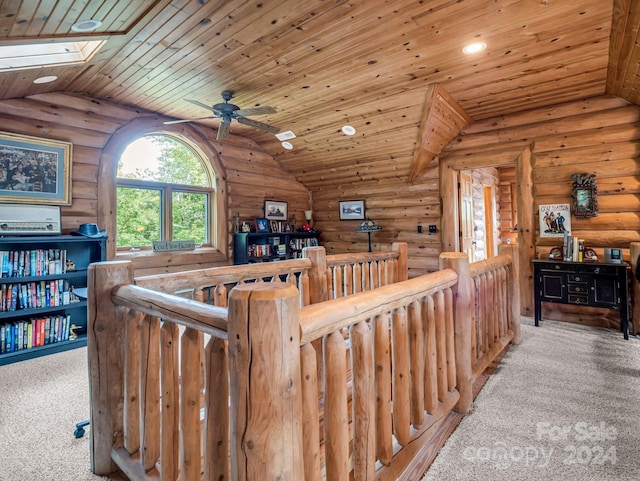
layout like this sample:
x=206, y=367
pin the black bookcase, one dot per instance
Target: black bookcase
x=44, y=304
x=250, y=247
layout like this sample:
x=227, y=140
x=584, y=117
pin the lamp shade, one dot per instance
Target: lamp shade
x=368, y=225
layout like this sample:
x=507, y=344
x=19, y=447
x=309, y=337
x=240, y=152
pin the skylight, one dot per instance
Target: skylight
x=22, y=57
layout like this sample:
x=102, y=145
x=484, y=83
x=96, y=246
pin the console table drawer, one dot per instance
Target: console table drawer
x=581, y=288
x=577, y=299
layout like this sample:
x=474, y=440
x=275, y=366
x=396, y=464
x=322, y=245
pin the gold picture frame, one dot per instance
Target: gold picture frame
x=34, y=170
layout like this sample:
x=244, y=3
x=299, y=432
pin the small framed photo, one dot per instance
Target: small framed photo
x=351, y=209
x=275, y=210
x=274, y=226
x=262, y=225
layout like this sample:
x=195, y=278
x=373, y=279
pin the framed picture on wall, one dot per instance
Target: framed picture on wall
x=555, y=220
x=34, y=170
x=351, y=209
x=275, y=210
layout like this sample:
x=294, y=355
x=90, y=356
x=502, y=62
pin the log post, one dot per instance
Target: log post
x=105, y=352
x=513, y=284
x=402, y=249
x=265, y=385
x=635, y=289
x=459, y=262
x=318, y=274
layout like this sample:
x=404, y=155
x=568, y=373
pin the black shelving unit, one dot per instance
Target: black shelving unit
x=252, y=247
x=71, y=304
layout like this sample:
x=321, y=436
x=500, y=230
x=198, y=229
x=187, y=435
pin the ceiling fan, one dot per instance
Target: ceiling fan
x=227, y=111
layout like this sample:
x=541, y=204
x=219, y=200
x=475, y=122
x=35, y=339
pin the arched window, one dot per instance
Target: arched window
x=165, y=192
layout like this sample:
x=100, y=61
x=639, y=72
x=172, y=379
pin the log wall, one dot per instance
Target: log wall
x=246, y=174
x=598, y=136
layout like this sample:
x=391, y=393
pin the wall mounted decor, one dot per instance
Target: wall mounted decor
x=584, y=195
x=555, y=220
x=351, y=209
x=275, y=210
x=34, y=170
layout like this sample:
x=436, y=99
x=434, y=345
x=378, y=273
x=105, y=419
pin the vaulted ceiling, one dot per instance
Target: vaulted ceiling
x=326, y=63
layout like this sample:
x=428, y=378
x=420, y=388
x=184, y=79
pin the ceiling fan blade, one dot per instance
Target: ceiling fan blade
x=255, y=111
x=258, y=125
x=223, y=131
x=169, y=122
x=199, y=104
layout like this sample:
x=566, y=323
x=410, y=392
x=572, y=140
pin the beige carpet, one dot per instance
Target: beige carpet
x=564, y=405
x=563, y=378
x=41, y=400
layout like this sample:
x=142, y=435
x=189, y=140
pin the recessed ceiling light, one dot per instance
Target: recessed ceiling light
x=288, y=135
x=348, y=130
x=45, y=80
x=86, y=25
x=287, y=145
x=474, y=47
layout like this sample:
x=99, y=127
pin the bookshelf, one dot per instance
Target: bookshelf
x=250, y=247
x=43, y=287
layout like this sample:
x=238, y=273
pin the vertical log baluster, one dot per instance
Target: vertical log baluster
x=417, y=364
x=170, y=411
x=450, y=341
x=190, y=431
x=310, y=413
x=382, y=353
x=132, y=381
x=216, y=421
x=441, y=345
x=431, y=356
x=363, y=403
x=149, y=391
x=336, y=419
x=401, y=377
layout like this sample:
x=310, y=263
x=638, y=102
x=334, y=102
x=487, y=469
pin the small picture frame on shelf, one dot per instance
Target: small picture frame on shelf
x=262, y=225
x=246, y=226
x=274, y=226
x=351, y=209
x=275, y=210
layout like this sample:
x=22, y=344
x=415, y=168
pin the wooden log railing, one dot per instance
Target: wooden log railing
x=397, y=361
x=496, y=308
x=358, y=272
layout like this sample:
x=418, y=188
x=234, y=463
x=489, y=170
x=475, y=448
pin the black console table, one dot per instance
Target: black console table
x=594, y=284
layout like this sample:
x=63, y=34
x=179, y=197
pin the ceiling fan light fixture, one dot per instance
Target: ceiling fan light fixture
x=288, y=135
x=348, y=130
x=287, y=145
x=86, y=25
x=475, y=47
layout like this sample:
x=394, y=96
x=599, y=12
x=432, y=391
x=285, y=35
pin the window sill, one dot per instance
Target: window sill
x=202, y=257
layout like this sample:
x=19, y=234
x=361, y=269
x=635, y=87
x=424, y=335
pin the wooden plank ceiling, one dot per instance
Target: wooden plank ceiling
x=326, y=63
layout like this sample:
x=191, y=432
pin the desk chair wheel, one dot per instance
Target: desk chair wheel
x=79, y=432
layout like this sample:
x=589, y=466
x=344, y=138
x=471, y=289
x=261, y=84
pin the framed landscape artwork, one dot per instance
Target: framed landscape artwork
x=34, y=170
x=351, y=209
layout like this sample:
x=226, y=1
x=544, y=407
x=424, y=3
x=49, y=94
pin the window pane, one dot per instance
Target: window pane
x=162, y=159
x=138, y=217
x=190, y=216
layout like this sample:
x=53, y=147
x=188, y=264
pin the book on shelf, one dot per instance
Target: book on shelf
x=33, y=262
x=35, y=332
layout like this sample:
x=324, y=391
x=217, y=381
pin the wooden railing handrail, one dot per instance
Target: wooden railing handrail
x=318, y=320
x=202, y=278
x=488, y=265
x=355, y=257
x=197, y=315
